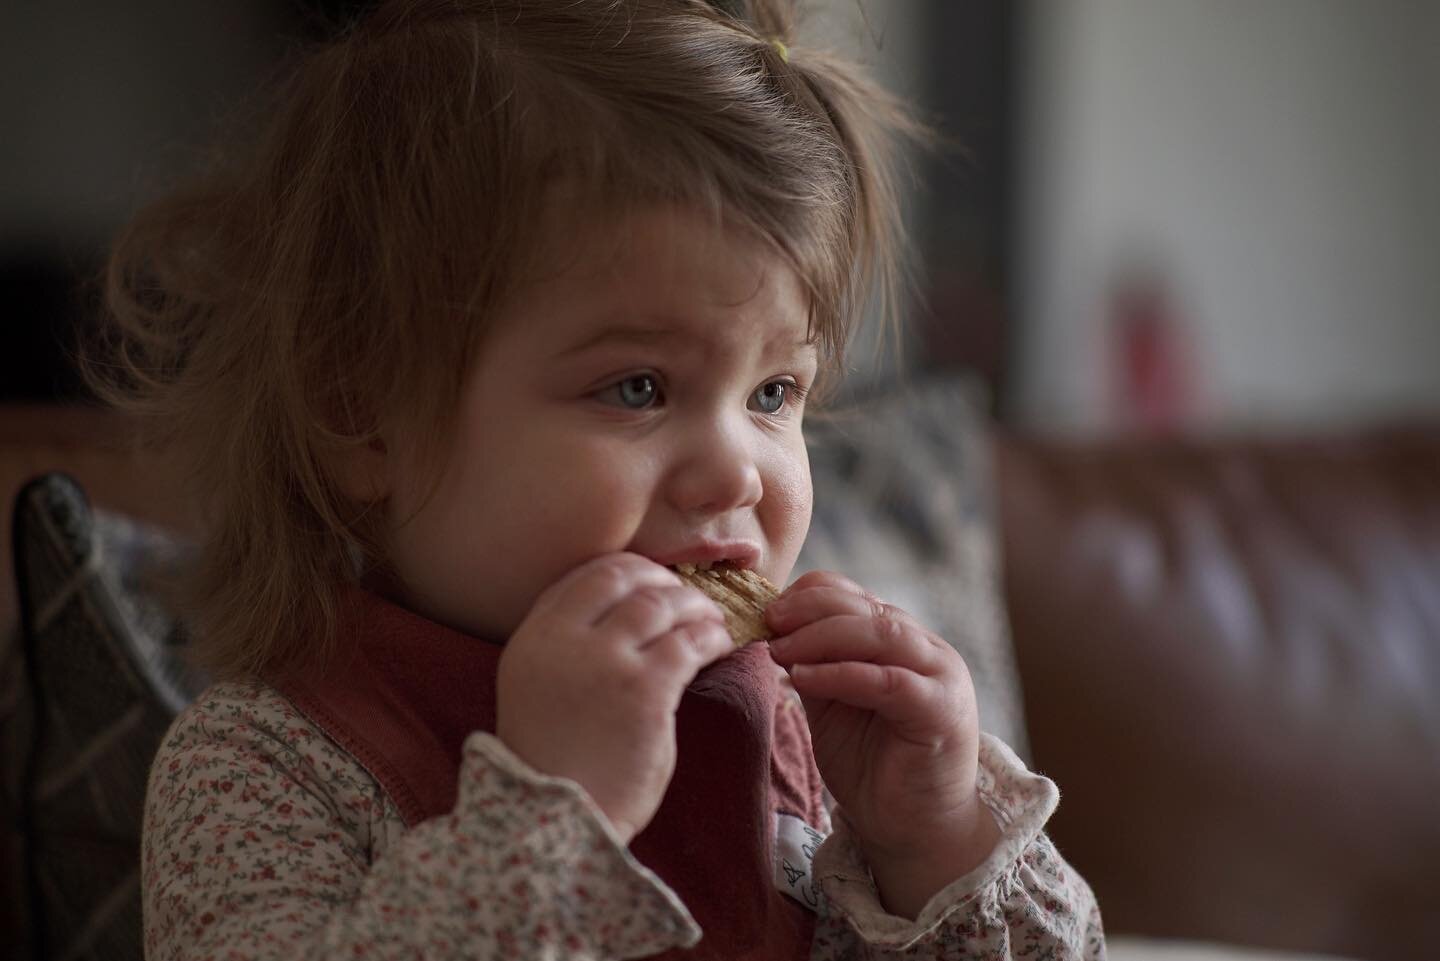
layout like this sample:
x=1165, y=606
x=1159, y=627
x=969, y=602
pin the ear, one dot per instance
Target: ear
x=364, y=472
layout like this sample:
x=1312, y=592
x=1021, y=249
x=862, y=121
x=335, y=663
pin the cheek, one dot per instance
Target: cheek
x=788, y=502
x=505, y=526
x=580, y=498
x=590, y=480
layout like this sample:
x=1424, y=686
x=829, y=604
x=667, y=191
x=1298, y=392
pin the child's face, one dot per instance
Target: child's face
x=642, y=397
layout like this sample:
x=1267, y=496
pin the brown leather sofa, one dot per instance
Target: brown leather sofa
x=1230, y=653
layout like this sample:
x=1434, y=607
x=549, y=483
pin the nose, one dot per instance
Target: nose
x=715, y=472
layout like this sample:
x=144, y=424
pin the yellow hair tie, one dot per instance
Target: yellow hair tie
x=781, y=49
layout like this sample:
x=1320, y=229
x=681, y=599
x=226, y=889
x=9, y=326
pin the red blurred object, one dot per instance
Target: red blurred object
x=1153, y=388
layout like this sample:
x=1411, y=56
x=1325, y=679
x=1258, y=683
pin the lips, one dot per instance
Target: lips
x=741, y=555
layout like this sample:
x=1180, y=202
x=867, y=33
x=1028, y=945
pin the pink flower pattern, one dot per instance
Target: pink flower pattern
x=263, y=840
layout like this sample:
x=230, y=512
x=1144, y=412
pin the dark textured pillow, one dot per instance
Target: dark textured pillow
x=903, y=507
x=89, y=689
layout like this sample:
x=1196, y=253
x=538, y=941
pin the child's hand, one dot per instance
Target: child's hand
x=893, y=718
x=589, y=683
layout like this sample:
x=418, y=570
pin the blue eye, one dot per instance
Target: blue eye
x=636, y=392
x=771, y=397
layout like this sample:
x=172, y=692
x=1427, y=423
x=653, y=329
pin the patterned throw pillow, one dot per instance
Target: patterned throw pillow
x=85, y=694
x=903, y=506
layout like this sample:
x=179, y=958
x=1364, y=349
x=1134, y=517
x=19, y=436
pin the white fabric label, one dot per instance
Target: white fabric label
x=795, y=845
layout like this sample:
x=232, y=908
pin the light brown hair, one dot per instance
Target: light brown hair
x=342, y=268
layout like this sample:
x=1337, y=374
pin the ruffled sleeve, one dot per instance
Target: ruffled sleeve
x=263, y=840
x=1023, y=900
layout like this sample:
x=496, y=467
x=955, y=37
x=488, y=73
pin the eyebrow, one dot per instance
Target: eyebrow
x=645, y=335
x=620, y=335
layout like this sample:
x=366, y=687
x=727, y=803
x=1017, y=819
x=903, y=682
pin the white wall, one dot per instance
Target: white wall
x=1279, y=159
x=884, y=37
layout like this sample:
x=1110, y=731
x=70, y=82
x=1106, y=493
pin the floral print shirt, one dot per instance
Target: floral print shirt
x=264, y=840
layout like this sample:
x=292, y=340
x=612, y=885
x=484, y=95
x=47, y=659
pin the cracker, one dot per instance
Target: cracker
x=742, y=595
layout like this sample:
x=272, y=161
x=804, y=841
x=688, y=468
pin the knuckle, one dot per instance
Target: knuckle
x=807, y=579
x=685, y=641
x=711, y=611
x=698, y=641
x=626, y=678
x=942, y=660
x=690, y=638
x=959, y=671
x=888, y=628
x=646, y=602
x=877, y=607
x=716, y=635
x=697, y=596
x=820, y=579
x=607, y=572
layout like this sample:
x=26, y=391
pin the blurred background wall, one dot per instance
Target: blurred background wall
x=99, y=101
x=1269, y=168
x=1155, y=214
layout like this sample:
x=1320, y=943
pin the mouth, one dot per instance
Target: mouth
x=740, y=555
x=720, y=565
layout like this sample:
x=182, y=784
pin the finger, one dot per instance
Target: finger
x=591, y=589
x=794, y=610
x=647, y=612
x=686, y=649
x=913, y=705
x=822, y=579
x=886, y=640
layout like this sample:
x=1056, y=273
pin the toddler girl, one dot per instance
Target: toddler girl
x=514, y=307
